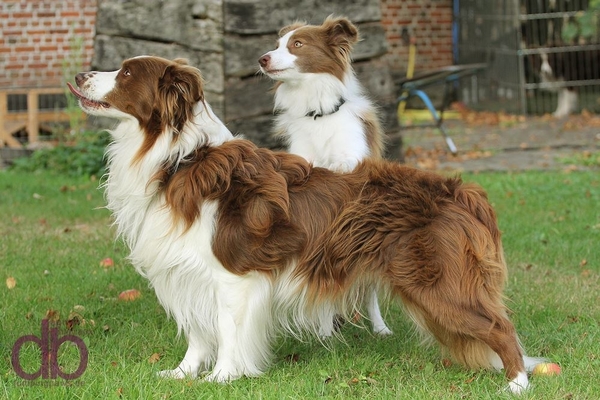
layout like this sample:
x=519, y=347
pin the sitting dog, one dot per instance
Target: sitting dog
x=241, y=242
x=321, y=109
x=558, y=69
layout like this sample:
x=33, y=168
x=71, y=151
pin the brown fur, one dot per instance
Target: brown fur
x=433, y=241
x=331, y=41
x=170, y=104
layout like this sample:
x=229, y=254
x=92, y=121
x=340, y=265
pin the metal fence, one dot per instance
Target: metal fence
x=541, y=54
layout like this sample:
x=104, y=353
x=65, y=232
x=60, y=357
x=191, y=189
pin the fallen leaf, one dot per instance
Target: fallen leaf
x=11, y=282
x=107, y=262
x=73, y=320
x=583, y=263
x=154, y=358
x=129, y=295
x=52, y=315
x=37, y=196
x=79, y=308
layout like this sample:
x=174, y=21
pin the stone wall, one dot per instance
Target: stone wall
x=225, y=38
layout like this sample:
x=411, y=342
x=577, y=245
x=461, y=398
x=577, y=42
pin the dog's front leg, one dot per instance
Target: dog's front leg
x=244, y=324
x=197, y=356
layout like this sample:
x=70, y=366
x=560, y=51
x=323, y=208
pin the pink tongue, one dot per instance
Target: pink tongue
x=81, y=97
x=73, y=90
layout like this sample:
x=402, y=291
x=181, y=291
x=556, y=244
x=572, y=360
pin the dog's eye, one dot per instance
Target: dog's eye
x=297, y=43
x=126, y=72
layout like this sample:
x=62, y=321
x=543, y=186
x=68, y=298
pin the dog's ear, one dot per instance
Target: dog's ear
x=340, y=32
x=179, y=89
x=181, y=61
x=289, y=28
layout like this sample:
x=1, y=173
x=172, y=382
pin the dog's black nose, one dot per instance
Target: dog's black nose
x=80, y=78
x=264, y=60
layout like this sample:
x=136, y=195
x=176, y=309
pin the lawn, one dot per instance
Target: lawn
x=54, y=234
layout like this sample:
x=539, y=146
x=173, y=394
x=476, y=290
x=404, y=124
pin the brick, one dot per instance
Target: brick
x=69, y=14
x=20, y=49
x=48, y=48
x=37, y=65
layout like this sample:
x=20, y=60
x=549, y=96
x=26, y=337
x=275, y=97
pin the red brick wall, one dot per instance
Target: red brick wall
x=37, y=35
x=429, y=22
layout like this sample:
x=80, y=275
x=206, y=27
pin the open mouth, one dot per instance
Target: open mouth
x=274, y=71
x=84, y=101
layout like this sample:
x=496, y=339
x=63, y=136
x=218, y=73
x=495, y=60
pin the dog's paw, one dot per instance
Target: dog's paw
x=221, y=376
x=520, y=384
x=176, y=373
x=382, y=331
x=343, y=166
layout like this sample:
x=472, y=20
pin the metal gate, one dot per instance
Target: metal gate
x=541, y=54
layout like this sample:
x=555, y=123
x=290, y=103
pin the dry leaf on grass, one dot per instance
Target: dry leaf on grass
x=52, y=315
x=11, y=282
x=129, y=295
x=154, y=358
x=107, y=262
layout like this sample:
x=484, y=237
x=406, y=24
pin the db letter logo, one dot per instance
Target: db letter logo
x=49, y=344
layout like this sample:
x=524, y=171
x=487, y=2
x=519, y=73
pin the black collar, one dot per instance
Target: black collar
x=315, y=114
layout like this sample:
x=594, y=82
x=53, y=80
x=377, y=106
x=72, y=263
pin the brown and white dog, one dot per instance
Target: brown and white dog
x=241, y=242
x=321, y=109
x=558, y=69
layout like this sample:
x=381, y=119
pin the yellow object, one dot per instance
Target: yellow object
x=423, y=115
x=546, y=369
x=412, y=52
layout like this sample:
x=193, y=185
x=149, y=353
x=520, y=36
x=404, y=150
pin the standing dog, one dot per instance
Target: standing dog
x=321, y=109
x=240, y=242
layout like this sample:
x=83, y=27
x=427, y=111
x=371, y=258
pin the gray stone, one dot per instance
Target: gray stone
x=257, y=129
x=194, y=23
x=248, y=97
x=256, y=17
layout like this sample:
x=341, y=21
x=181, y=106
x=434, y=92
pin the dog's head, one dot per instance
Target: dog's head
x=159, y=93
x=303, y=49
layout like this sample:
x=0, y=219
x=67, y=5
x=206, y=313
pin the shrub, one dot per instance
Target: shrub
x=83, y=158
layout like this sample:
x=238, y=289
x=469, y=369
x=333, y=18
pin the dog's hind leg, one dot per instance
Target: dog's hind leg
x=379, y=326
x=476, y=338
x=244, y=326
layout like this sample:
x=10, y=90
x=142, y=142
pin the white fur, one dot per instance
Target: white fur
x=567, y=99
x=336, y=141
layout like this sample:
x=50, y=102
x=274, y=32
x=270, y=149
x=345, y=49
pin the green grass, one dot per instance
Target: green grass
x=53, y=234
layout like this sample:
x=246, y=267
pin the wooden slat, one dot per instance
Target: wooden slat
x=33, y=124
x=30, y=119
